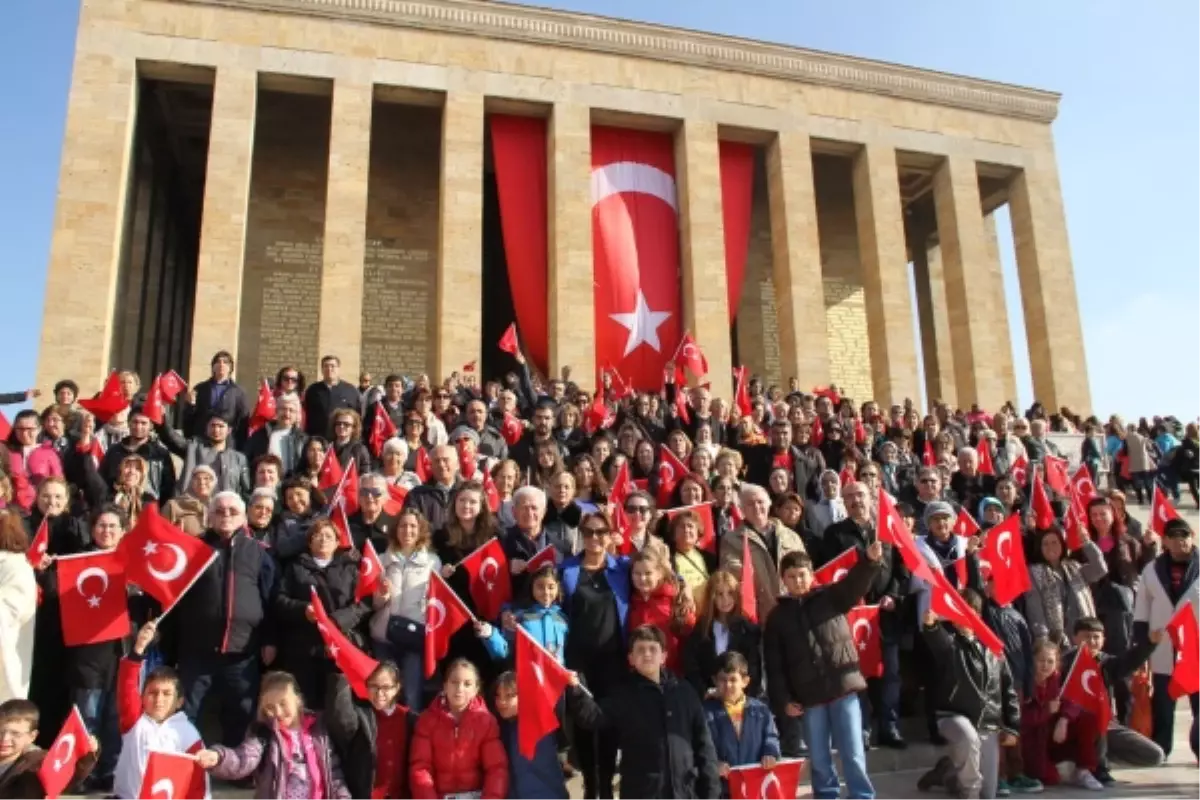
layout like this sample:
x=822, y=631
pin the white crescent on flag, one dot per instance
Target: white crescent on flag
x=483, y=571
x=81, y=579
x=1087, y=675
x=862, y=643
x=1004, y=538
x=61, y=758
x=163, y=788
x=434, y=621
x=768, y=782
x=175, y=571
x=632, y=176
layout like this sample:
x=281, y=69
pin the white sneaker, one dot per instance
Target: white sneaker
x=1086, y=780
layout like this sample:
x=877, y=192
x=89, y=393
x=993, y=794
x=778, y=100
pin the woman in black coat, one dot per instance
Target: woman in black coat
x=346, y=428
x=333, y=573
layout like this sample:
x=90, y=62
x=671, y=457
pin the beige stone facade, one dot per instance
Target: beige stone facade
x=863, y=169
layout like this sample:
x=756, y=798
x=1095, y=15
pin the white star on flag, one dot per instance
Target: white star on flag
x=642, y=324
x=150, y=549
x=93, y=602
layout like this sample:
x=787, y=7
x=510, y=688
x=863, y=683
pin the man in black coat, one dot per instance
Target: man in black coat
x=219, y=395
x=666, y=748
x=160, y=468
x=432, y=498
x=890, y=585
x=223, y=623
x=326, y=396
x=762, y=459
x=701, y=412
x=543, y=430
x=812, y=667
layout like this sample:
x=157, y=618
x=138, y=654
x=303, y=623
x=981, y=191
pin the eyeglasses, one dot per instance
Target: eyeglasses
x=869, y=475
x=592, y=530
x=292, y=378
x=368, y=491
x=441, y=397
x=343, y=424
x=382, y=687
x=637, y=510
x=25, y=429
x=226, y=511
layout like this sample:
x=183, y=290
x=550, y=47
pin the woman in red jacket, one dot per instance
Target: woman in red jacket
x=469, y=756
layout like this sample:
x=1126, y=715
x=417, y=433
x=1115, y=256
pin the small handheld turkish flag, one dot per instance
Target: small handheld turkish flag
x=467, y=465
x=330, y=474
x=890, y=528
x=949, y=604
x=490, y=585
x=681, y=406
x=1185, y=639
x=511, y=429
x=837, y=568
x=356, y=664
x=756, y=782
x=92, y=598
x=1073, y=525
x=105, y=407
x=171, y=385
x=172, y=775
x=1085, y=688
x=508, y=342
x=346, y=492
x=689, y=355
x=1056, y=473
x=424, y=466
x=40, y=544
x=112, y=385
x=818, y=431
x=1161, y=511
x=741, y=393
x=928, y=458
x=153, y=406
x=337, y=515
x=622, y=486
x=670, y=471
x=370, y=573
x=5, y=427
x=707, y=538
x=1043, y=512
x=58, y=767
x=444, y=615
x=162, y=559
x=595, y=418
x=864, y=627
x=395, y=500
x=382, y=429
x=1019, y=471
x=547, y=555
x=491, y=492
x=749, y=599
x=1083, y=489
x=1003, y=550
x=541, y=680
x=965, y=525
x=264, y=407
x=986, y=465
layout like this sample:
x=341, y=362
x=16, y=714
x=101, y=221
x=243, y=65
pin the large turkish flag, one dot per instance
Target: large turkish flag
x=635, y=234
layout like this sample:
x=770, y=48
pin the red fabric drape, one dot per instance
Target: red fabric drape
x=737, y=193
x=635, y=235
x=519, y=152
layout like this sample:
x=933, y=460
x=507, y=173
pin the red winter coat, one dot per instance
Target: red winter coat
x=448, y=757
x=658, y=610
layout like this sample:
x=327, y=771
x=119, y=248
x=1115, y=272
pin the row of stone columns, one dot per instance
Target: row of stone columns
x=975, y=326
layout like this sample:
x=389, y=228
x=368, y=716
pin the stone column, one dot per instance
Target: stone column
x=796, y=261
x=971, y=296
x=339, y=332
x=1005, y=370
x=217, y=313
x=884, y=259
x=460, y=228
x=934, y=324
x=569, y=209
x=85, y=248
x=702, y=236
x=1052, y=326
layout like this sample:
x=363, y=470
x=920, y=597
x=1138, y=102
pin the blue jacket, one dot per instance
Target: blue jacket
x=538, y=778
x=547, y=626
x=617, y=574
x=759, y=738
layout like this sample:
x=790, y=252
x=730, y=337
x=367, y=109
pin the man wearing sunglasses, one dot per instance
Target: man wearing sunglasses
x=370, y=522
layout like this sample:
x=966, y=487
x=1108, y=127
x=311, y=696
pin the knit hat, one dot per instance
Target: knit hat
x=934, y=509
x=990, y=502
x=463, y=431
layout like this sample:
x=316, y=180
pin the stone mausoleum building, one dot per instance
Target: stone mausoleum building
x=289, y=178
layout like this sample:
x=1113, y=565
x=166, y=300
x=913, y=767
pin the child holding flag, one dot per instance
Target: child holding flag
x=21, y=759
x=540, y=776
x=742, y=728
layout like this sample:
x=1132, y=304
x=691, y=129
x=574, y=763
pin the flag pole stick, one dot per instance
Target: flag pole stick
x=1070, y=672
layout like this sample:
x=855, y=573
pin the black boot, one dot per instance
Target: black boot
x=935, y=777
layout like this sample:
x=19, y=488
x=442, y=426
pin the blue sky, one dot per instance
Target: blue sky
x=1128, y=137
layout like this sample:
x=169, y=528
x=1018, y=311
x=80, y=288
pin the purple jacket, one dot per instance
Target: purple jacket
x=261, y=754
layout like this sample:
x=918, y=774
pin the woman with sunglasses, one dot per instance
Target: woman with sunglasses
x=29, y=462
x=346, y=426
x=596, y=592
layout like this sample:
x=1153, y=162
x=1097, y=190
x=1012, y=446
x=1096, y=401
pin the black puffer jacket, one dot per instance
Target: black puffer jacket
x=657, y=725
x=700, y=655
x=973, y=682
x=810, y=654
x=353, y=730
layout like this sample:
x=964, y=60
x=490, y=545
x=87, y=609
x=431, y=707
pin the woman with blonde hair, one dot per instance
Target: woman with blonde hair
x=346, y=427
x=131, y=488
x=720, y=627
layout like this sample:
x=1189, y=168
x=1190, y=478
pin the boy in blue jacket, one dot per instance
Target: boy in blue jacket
x=540, y=777
x=742, y=728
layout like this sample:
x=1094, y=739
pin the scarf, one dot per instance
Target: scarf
x=303, y=737
x=736, y=712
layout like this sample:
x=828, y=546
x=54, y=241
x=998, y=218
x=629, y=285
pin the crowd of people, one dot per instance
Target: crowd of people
x=688, y=604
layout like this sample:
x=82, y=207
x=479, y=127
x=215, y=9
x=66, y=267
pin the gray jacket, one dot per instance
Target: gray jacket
x=233, y=471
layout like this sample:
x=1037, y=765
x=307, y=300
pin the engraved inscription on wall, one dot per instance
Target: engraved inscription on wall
x=291, y=301
x=399, y=290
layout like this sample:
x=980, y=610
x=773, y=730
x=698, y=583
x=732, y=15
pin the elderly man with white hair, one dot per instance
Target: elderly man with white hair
x=529, y=537
x=223, y=620
x=769, y=542
x=283, y=437
x=968, y=485
x=432, y=498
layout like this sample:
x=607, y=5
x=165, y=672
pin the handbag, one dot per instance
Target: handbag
x=405, y=634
